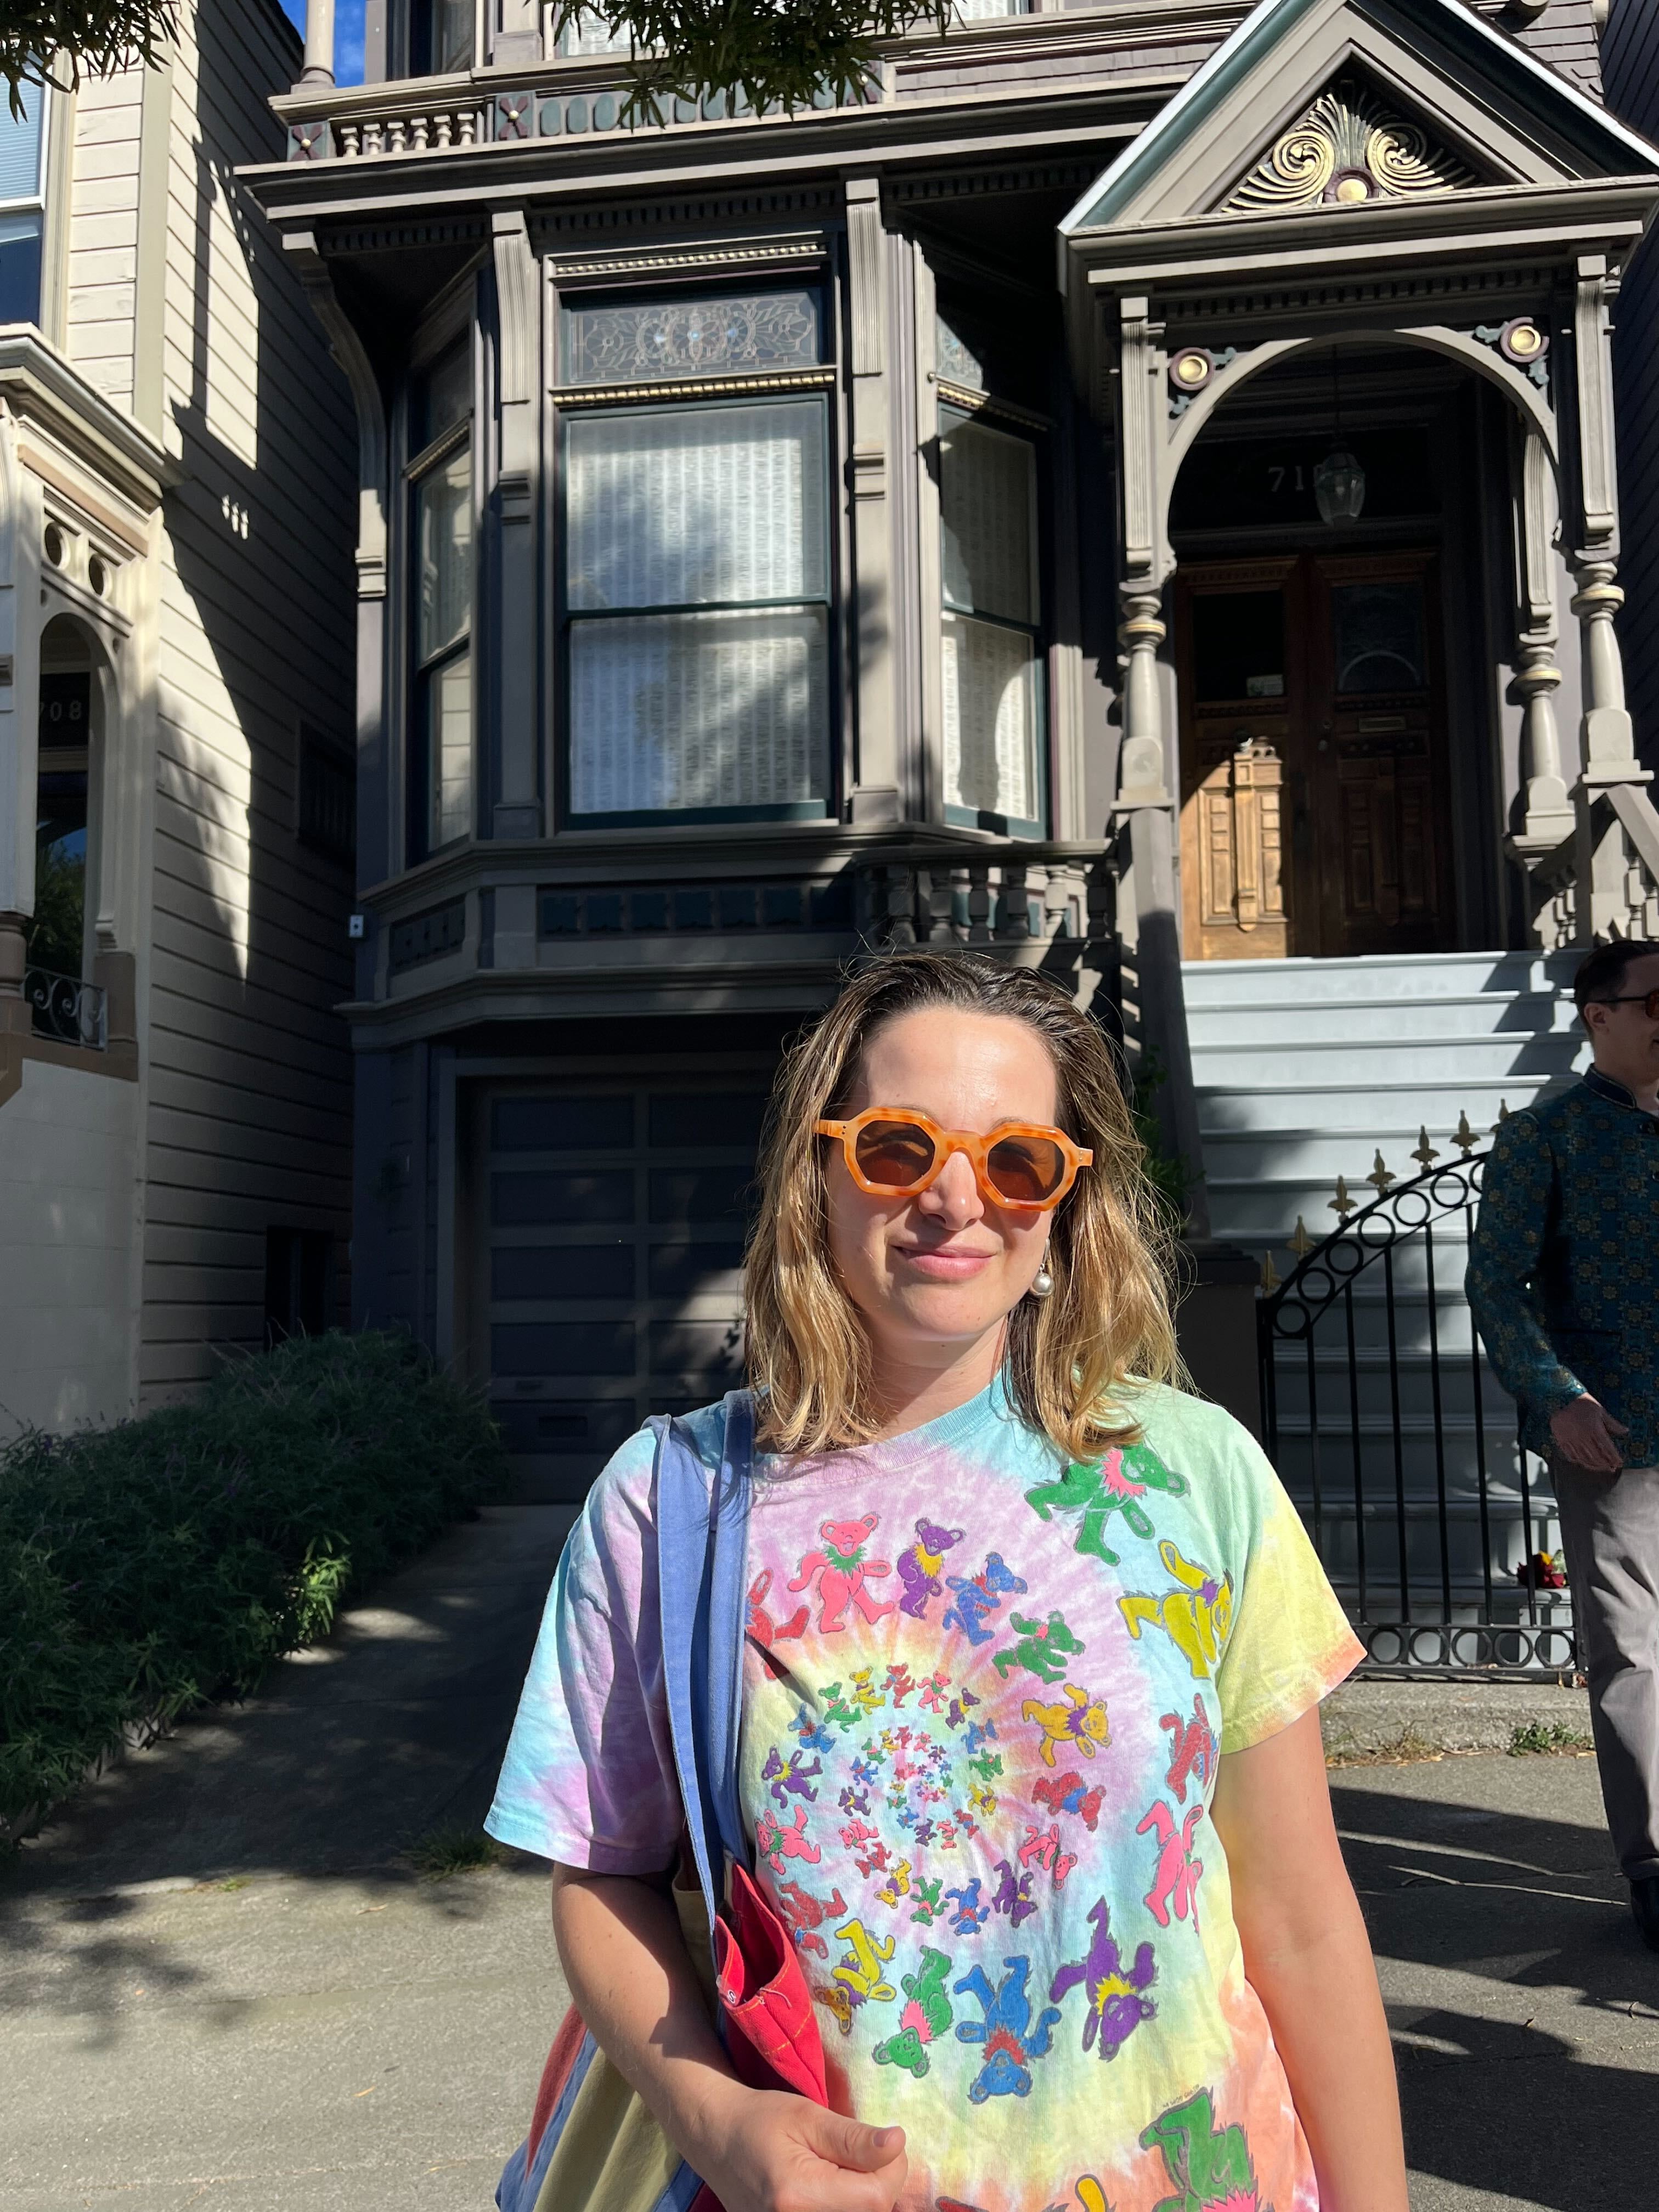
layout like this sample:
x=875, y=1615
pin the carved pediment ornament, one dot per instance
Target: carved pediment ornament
x=1349, y=147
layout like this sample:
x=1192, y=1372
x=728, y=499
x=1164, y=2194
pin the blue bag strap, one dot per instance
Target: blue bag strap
x=702, y=1533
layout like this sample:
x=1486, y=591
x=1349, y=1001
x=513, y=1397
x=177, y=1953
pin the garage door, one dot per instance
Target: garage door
x=613, y=1265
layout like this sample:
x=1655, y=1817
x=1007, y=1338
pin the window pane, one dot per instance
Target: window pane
x=57, y=930
x=441, y=36
x=698, y=710
x=990, y=720
x=20, y=268
x=19, y=149
x=1239, y=645
x=1379, y=637
x=443, y=504
x=589, y=33
x=713, y=503
x=647, y=340
x=442, y=396
x=987, y=502
x=449, y=747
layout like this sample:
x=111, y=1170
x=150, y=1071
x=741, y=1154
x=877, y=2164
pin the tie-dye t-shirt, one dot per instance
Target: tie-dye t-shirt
x=985, y=1692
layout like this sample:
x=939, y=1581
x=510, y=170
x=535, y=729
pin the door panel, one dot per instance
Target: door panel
x=1312, y=747
x=1241, y=708
x=1379, y=765
x=608, y=1263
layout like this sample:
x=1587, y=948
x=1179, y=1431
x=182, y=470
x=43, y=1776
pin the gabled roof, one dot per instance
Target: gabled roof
x=1499, y=111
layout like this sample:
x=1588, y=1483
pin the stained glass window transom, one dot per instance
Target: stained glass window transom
x=646, y=342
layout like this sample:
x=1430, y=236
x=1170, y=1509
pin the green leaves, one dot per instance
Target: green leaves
x=146, y=1567
x=781, y=54
x=61, y=41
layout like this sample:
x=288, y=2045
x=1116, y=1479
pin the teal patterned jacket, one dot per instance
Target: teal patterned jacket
x=1563, y=1264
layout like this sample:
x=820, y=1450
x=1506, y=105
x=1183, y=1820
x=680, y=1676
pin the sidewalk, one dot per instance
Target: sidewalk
x=220, y=1987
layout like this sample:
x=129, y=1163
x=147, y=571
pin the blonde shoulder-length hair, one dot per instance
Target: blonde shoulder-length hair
x=1109, y=1251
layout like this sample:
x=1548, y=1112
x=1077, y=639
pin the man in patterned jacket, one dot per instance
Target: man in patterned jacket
x=1564, y=1281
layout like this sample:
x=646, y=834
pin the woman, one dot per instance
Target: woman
x=1030, y=1748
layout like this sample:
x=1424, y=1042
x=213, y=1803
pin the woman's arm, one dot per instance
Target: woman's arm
x=759, y=2151
x=1309, y=1959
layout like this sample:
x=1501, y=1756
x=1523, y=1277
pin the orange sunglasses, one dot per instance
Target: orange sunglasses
x=893, y=1151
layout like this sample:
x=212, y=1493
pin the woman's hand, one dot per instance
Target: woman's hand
x=758, y=2150
x=761, y=2151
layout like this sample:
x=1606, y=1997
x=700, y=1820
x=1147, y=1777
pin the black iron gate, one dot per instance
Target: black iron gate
x=1398, y=1447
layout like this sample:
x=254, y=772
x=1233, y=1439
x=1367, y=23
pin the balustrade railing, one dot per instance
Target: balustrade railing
x=66, y=1010
x=581, y=94
x=973, y=899
x=1603, y=880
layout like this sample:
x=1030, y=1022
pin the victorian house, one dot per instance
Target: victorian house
x=1134, y=489
x=176, y=778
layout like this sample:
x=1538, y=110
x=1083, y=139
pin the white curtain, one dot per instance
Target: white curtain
x=987, y=503
x=674, y=511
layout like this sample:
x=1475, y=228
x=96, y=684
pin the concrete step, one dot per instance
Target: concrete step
x=1438, y=1063
x=1317, y=1019
x=1207, y=983
x=1265, y=1100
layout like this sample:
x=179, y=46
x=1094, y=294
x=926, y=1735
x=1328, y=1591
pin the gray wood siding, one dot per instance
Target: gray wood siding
x=249, y=1093
x=1630, y=60
x=103, y=233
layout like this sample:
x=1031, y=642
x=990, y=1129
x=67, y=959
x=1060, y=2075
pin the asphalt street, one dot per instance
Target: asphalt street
x=221, y=1986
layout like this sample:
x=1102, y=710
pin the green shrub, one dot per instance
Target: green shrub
x=147, y=1567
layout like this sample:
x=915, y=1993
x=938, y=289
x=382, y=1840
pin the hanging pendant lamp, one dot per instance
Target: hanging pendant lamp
x=1338, y=481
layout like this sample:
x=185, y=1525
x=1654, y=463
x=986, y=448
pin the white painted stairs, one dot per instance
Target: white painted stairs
x=1309, y=1069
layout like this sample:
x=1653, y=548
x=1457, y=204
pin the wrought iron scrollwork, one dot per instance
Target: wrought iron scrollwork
x=65, y=1009
x=1419, y=1610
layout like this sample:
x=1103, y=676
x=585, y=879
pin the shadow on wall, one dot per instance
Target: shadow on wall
x=250, y=1121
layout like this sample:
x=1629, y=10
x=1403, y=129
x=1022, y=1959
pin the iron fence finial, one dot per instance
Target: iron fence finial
x=1503, y=1115
x=1301, y=1243
x=1342, y=1206
x=1425, y=1153
x=1269, y=1274
x=1380, y=1175
x=1464, y=1137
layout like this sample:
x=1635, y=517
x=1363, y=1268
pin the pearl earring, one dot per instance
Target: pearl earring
x=1042, y=1283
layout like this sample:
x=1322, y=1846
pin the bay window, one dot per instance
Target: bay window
x=441, y=532
x=696, y=574
x=991, y=621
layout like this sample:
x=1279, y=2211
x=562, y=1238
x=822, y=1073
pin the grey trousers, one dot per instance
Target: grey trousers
x=1610, y=1529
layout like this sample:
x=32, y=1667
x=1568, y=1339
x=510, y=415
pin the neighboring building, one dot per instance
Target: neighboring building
x=175, y=791
x=1137, y=491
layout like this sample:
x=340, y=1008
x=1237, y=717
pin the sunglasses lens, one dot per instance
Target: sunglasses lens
x=1025, y=1170
x=895, y=1155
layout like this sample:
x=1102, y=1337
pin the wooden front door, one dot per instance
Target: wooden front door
x=1312, y=747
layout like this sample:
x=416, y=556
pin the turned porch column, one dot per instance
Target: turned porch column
x=1144, y=797
x=319, y=44
x=1549, y=818
x=1606, y=735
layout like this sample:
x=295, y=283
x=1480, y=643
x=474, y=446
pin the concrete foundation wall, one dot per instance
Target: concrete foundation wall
x=67, y=1199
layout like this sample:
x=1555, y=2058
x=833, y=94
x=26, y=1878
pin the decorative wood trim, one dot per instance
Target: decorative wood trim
x=986, y=402
x=699, y=387
x=736, y=254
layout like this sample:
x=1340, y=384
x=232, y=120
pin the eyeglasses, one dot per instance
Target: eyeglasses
x=1648, y=1001
x=892, y=1151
